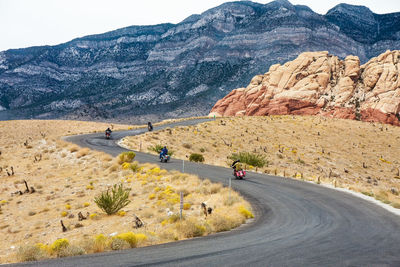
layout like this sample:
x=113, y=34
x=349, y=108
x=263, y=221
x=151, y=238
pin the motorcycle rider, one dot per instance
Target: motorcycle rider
x=236, y=165
x=149, y=126
x=164, y=152
x=108, y=131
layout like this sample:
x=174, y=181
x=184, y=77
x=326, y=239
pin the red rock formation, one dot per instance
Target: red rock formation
x=317, y=83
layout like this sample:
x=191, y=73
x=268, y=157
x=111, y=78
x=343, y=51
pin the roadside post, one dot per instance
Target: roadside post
x=183, y=166
x=230, y=184
x=181, y=206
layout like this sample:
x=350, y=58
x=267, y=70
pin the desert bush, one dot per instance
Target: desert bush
x=220, y=222
x=119, y=244
x=129, y=237
x=229, y=201
x=59, y=244
x=245, y=212
x=29, y=253
x=83, y=152
x=74, y=149
x=111, y=201
x=70, y=251
x=252, y=159
x=189, y=228
x=156, y=148
x=127, y=156
x=134, y=166
x=196, y=157
x=215, y=188
x=202, y=150
x=396, y=205
x=186, y=145
x=98, y=244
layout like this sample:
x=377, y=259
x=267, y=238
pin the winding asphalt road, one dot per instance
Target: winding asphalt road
x=297, y=224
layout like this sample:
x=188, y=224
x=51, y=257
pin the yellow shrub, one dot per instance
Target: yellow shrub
x=3, y=201
x=245, y=212
x=93, y=216
x=152, y=196
x=68, y=206
x=100, y=237
x=187, y=206
x=59, y=244
x=100, y=243
x=64, y=213
x=90, y=187
x=140, y=238
x=126, y=165
x=86, y=204
x=43, y=247
x=121, y=213
x=129, y=237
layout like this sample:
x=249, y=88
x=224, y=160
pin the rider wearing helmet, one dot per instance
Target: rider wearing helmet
x=164, y=151
x=236, y=165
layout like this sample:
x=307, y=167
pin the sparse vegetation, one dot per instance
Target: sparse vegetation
x=73, y=177
x=126, y=157
x=114, y=199
x=250, y=159
x=344, y=153
x=196, y=157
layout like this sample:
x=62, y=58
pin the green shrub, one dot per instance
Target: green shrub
x=196, y=157
x=157, y=148
x=248, y=158
x=127, y=156
x=134, y=166
x=111, y=201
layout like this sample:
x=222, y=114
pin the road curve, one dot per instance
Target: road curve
x=297, y=224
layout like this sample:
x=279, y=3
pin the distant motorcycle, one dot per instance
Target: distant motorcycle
x=239, y=174
x=164, y=158
x=108, y=135
x=149, y=126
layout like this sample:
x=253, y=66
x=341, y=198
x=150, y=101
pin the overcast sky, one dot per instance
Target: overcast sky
x=26, y=23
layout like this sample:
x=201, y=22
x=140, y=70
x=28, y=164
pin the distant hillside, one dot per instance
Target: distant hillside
x=174, y=70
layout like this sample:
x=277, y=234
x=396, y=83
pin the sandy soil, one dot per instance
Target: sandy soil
x=363, y=157
x=66, y=178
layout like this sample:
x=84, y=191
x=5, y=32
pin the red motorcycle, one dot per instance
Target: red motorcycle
x=108, y=135
x=239, y=174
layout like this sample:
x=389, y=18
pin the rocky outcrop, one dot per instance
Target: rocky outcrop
x=320, y=83
x=175, y=70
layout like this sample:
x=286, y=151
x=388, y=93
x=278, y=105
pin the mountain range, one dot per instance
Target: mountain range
x=141, y=73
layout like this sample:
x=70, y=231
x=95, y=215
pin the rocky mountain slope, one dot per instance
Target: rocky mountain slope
x=319, y=83
x=172, y=70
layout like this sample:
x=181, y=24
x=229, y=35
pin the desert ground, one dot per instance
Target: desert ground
x=360, y=156
x=66, y=179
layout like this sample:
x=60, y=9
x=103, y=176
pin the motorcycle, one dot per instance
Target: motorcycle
x=149, y=126
x=164, y=158
x=108, y=135
x=239, y=174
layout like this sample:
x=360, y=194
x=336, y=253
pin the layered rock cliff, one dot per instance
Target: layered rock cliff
x=173, y=70
x=320, y=83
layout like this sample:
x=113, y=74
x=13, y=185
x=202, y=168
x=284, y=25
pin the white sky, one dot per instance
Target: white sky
x=25, y=23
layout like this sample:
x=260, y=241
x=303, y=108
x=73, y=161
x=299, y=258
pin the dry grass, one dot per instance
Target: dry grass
x=361, y=156
x=67, y=178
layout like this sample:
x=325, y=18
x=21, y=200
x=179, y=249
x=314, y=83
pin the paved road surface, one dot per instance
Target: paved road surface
x=297, y=224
